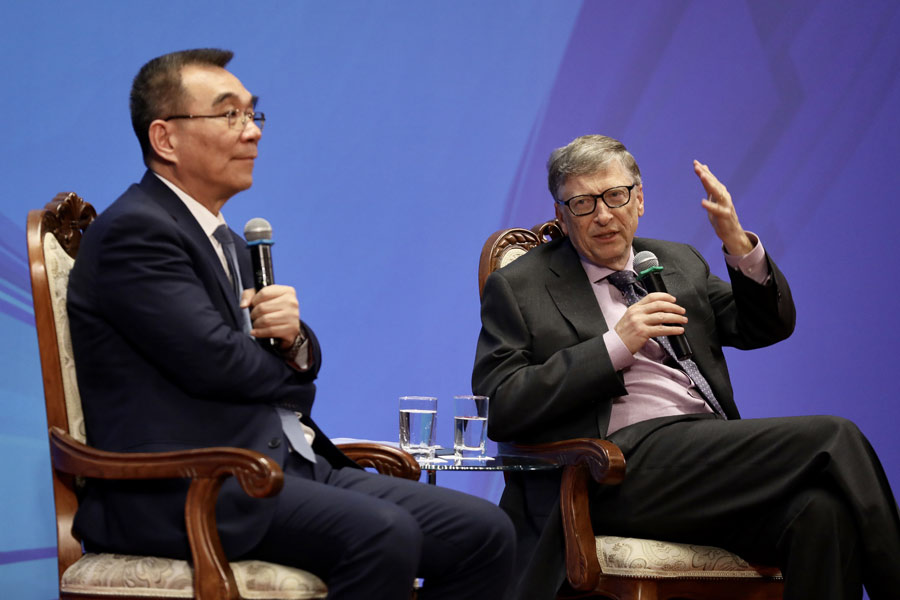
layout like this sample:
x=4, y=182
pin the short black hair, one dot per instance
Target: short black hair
x=157, y=92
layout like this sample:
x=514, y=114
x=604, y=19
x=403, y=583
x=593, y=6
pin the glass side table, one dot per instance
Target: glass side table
x=498, y=462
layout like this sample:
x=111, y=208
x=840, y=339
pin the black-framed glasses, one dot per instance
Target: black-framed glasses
x=237, y=119
x=585, y=204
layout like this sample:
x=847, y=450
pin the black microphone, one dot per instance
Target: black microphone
x=258, y=233
x=650, y=275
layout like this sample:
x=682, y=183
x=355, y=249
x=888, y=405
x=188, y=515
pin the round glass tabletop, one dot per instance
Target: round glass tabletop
x=498, y=462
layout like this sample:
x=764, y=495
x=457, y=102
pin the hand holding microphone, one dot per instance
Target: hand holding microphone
x=274, y=310
x=650, y=276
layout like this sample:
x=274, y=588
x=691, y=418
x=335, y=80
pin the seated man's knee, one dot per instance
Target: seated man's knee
x=391, y=534
x=494, y=530
x=821, y=514
x=833, y=434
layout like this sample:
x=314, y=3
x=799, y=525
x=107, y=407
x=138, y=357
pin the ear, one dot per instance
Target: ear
x=163, y=140
x=640, y=200
x=559, y=217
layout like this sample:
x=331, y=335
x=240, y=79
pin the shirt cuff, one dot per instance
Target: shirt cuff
x=753, y=264
x=298, y=355
x=619, y=355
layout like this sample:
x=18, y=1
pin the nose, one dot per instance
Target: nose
x=251, y=131
x=602, y=214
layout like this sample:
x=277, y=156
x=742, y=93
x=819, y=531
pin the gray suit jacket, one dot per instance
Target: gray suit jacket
x=542, y=360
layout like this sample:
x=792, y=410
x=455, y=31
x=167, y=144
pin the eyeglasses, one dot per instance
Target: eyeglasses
x=585, y=204
x=237, y=119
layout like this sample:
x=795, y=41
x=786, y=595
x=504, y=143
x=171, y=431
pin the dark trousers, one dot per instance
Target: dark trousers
x=368, y=536
x=807, y=493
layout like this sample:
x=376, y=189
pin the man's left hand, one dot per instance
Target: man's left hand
x=274, y=312
x=721, y=213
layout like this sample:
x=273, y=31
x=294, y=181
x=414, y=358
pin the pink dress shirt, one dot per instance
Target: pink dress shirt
x=655, y=389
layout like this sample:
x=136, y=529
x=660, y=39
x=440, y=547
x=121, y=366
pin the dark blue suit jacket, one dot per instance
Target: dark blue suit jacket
x=163, y=364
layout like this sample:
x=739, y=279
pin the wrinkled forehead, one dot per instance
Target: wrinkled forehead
x=597, y=180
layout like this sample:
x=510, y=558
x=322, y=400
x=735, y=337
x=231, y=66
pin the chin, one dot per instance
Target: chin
x=245, y=183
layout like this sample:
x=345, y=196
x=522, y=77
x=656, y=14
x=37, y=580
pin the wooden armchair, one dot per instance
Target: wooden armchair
x=54, y=234
x=616, y=567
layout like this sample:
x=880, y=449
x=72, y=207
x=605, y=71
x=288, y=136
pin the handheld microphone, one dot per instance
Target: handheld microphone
x=258, y=233
x=650, y=275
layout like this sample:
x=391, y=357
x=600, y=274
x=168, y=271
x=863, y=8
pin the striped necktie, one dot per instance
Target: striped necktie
x=626, y=282
x=290, y=424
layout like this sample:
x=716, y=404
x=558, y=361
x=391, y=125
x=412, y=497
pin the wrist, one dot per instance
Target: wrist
x=739, y=245
x=290, y=352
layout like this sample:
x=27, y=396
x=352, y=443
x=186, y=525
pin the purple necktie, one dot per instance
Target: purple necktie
x=626, y=282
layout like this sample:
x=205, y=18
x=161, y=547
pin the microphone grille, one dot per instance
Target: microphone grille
x=644, y=260
x=257, y=229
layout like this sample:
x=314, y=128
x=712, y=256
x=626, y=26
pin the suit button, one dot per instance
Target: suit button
x=274, y=442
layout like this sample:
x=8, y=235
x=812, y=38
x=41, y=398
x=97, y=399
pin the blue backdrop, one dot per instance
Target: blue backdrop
x=437, y=118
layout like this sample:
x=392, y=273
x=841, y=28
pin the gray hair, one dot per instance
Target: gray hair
x=586, y=155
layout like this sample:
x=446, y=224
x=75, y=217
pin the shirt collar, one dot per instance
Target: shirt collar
x=208, y=221
x=597, y=273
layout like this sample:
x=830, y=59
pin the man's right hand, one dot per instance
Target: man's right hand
x=653, y=316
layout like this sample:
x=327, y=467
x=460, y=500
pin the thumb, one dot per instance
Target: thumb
x=247, y=297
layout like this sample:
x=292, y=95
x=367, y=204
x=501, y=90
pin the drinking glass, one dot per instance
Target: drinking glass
x=469, y=426
x=417, y=416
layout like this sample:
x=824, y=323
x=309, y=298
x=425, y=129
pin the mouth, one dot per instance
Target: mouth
x=606, y=236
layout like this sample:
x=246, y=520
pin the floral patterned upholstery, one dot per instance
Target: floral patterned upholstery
x=121, y=575
x=632, y=557
x=58, y=264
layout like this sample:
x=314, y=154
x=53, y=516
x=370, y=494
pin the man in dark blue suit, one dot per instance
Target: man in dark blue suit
x=164, y=342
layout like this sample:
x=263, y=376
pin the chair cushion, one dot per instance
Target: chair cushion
x=634, y=557
x=122, y=575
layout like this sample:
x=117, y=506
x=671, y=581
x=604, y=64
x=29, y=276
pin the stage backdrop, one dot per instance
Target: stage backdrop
x=435, y=119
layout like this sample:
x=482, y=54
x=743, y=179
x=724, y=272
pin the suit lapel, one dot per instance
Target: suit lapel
x=572, y=293
x=172, y=204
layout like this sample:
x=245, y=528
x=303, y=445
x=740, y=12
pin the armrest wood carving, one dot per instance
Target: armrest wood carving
x=387, y=460
x=207, y=469
x=603, y=459
x=583, y=458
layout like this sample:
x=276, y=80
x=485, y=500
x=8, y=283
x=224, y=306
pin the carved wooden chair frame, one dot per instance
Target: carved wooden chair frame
x=66, y=217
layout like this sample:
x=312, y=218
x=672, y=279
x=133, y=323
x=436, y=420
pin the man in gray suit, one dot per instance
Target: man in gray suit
x=570, y=347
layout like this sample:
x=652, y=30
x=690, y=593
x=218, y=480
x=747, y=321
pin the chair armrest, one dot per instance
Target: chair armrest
x=582, y=458
x=385, y=459
x=259, y=475
x=207, y=469
x=602, y=458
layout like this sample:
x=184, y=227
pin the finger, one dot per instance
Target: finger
x=247, y=298
x=274, y=291
x=715, y=208
x=715, y=189
x=289, y=318
x=262, y=304
x=666, y=330
x=278, y=325
x=656, y=297
x=667, y=306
